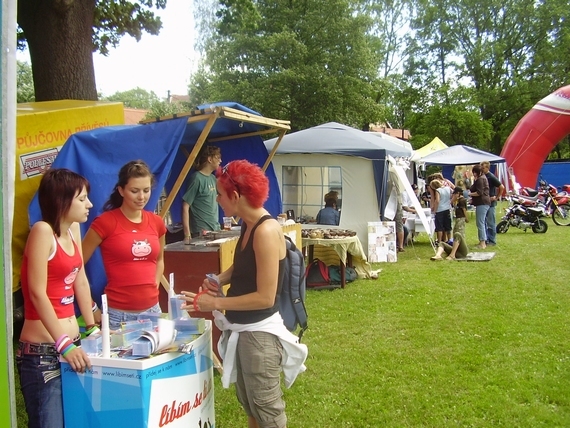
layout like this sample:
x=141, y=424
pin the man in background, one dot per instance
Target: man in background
x=199, y=206
x=496, y=189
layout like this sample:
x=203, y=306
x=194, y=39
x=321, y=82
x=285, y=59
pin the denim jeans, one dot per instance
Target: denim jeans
x=116, y=316
x=480, y=215
x=491, y=224
x=40, y=382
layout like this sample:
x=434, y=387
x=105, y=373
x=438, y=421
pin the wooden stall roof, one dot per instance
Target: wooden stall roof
x=248, y=124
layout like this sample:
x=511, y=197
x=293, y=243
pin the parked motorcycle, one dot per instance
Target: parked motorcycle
x=555, y=203
x=522, y=217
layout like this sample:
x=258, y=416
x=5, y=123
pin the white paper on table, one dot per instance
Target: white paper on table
x=162, y=338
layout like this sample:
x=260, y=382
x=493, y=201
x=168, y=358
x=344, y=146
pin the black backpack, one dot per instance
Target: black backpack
x=292, y=297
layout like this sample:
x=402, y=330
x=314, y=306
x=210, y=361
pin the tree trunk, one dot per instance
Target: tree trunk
x=59, y=33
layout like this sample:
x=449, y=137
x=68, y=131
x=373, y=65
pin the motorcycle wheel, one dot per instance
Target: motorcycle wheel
x=502, y=226
x=561, y=215
x=540, y=226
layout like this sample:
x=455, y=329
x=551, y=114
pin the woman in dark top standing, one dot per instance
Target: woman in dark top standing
x=479, y=193
x=252, y=302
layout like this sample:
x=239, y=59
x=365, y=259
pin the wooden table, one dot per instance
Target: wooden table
x=345, y=248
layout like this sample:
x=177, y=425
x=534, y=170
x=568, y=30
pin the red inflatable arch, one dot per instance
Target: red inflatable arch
x=536, y=134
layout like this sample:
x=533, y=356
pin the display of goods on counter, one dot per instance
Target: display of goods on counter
x=327, y=233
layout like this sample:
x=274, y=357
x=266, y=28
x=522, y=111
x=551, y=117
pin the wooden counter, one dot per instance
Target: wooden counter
x=191, y=263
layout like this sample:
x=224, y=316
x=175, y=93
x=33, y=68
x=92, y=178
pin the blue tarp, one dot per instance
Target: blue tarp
x=100, y=153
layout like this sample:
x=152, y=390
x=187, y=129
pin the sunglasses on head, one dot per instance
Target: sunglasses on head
x=225, y=172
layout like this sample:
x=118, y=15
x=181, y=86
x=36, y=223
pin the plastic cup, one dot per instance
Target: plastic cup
x=227, y=223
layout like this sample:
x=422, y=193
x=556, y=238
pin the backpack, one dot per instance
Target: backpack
x=292, y=297
x=317, y=276
x=349, y=274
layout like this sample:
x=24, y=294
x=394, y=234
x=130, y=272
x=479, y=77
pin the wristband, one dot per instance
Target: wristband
x=58, y=341
x=94, y=308
x=93, y=330
x=195, y=301
x=68, y=350
x=64, y=343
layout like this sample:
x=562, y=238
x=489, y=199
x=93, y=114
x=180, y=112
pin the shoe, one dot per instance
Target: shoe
x=492, y=244
x=450, y=258
x=450, y=242
x=401, y=250
x=479, y=247
x=436, y=258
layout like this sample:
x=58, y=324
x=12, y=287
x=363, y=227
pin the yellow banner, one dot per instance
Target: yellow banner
x=41, y=130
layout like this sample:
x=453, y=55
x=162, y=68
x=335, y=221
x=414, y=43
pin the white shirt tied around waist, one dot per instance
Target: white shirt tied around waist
x=294, y=353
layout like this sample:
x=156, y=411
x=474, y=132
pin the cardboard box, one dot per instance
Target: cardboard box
x=172, y=390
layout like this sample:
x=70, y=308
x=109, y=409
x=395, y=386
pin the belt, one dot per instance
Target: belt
x=28, y=348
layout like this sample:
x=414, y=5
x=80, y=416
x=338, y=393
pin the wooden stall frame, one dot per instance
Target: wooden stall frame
x=210, y=115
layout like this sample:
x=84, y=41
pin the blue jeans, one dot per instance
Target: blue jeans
x=40, y=382
x=480, y=215
x=491, y=224
x=116, y=316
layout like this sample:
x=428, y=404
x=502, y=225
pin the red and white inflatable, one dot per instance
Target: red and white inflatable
x=536, y=134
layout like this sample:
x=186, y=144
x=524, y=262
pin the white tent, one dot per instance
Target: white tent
x=361, y=157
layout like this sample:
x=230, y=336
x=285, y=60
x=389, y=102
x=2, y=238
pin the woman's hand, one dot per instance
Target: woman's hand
x=203, y=301
x=77, y=359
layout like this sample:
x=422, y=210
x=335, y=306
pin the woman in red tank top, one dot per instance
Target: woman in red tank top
x=53, y=277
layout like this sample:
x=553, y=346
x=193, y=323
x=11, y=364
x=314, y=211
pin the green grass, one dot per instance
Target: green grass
x=439, y=344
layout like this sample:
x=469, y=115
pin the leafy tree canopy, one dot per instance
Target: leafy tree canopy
x=63, y=34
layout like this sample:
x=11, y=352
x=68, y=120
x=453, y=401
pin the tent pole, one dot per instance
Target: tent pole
x=270, y=157
x=186, y=168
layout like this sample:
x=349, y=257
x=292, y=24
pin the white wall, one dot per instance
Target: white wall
x=359, y=202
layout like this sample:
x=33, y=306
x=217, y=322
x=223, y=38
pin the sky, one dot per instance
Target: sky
x=156, y=63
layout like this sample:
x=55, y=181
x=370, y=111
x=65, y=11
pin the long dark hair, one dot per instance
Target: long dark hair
x=133, y=169
x=58, y=187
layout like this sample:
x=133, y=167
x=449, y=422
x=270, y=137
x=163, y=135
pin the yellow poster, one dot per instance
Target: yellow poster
x=41, y=130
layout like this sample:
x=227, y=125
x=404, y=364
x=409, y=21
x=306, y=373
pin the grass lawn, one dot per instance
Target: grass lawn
x=439, y=344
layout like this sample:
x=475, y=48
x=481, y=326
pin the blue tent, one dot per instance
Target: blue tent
x=169, y=145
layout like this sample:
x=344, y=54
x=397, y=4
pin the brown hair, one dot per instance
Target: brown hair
x=205, y=153
x=57, y=189
x=133, y=169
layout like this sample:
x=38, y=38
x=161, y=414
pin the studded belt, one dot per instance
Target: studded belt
x=28, y=348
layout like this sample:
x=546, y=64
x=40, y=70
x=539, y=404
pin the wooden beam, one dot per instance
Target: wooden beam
x=186, y=168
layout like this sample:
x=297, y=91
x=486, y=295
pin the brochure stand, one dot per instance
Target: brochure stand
x=172, y=389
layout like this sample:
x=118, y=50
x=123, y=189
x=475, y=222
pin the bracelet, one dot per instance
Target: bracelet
x=94, y=307
x=58, y=341
x=93, y=330
x=195, y=301
x=64, y=343
x=68, y=350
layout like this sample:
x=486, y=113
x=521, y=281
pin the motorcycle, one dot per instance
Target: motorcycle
x=555, y=203
x=523, y=217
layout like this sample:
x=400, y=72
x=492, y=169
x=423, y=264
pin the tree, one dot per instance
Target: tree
x=135, y=98
x=307, y=62
x=61, y=36
x=24, y=82
x=504, y=50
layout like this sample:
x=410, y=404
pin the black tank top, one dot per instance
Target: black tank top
x=244, y=276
